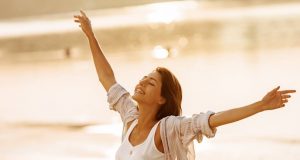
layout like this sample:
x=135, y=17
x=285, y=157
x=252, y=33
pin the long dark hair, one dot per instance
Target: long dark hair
x=171, y=91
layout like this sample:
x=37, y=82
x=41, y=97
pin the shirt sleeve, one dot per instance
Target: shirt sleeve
x=120, y=100
x=195, y=127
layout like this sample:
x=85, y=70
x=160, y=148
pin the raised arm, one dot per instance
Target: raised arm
x=273, y=100
x=103, y=68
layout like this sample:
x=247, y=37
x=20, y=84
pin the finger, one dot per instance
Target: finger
x=273, y=91
x=282, y=105
x=284, y=101
x=80, y=26
x=287, y=91
x=76, y=21
x=277, y=88
x=82, y=13
x=286, y=96
x=76, y=16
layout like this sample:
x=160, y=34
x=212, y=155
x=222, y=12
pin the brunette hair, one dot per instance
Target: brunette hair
x=171, y=91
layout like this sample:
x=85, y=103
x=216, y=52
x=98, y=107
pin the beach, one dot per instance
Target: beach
x=58, y=110
x=53, y=106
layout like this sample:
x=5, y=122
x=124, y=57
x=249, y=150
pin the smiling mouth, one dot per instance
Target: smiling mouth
x=139, y=91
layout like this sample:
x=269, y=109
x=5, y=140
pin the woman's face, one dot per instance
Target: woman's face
x=148, y=90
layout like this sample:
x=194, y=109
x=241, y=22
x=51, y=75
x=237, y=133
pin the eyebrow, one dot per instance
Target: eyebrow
x=151, y=78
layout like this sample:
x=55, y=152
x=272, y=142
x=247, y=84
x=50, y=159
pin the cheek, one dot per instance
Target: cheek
x=154, y=92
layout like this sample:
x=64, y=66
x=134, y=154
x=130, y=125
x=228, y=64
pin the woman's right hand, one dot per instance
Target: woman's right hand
x=84, y=23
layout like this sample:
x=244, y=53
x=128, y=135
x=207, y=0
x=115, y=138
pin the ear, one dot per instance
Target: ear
x=162, y=100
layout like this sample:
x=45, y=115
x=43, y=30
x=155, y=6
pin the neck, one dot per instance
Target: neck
x=147, y=116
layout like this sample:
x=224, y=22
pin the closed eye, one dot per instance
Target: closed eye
x=152, y=84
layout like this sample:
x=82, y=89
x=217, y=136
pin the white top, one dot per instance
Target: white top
x=144, y=151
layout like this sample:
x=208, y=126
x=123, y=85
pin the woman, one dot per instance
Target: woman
x=153, y=127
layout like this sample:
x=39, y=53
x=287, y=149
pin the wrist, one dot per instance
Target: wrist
x=261, y=106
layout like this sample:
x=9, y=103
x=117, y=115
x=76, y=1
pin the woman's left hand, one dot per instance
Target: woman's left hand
x=276, y=99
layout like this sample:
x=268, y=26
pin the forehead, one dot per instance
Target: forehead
x=155, y=75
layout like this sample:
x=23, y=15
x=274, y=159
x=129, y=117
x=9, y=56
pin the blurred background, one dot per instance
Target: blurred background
x=225, y=53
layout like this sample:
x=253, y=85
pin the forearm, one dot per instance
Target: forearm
x=103, y=68
x=235, y=114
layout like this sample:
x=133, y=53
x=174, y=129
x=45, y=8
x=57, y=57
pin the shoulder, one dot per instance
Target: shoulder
x=171, y=120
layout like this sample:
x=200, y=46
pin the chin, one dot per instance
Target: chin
x=137, y=98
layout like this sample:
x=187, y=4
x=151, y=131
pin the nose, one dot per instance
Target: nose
x=142, y=82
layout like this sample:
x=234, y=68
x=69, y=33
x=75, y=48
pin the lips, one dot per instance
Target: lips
x=139, y=90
